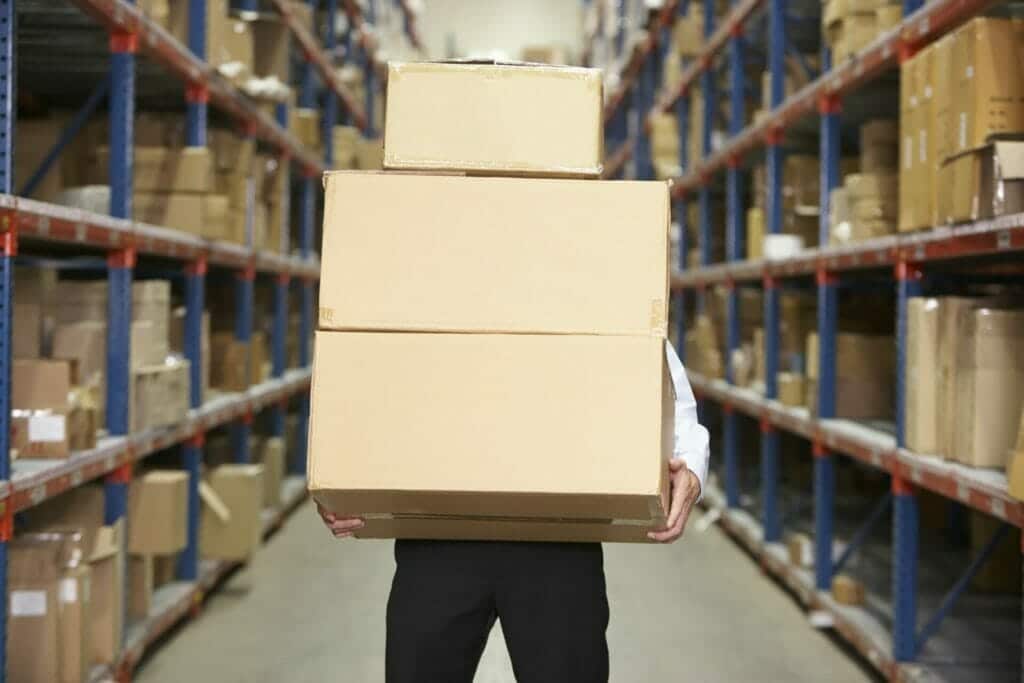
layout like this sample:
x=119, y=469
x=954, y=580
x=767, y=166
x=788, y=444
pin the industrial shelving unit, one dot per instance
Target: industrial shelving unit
x=32, y=226
x=902, y=646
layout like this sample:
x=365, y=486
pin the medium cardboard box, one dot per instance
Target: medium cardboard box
x=229, y=362
x=941, y=120
x=369, y=154
x=107, y=592
x=273, y=470
x=41, y=384
x=447, y=390
x=344, y=141
x=954, y=314
x=140, y=586
x=988, y=74
x=233, y=55
x=167, y=169
x=801, y=550
x=27, y=334
x=987, y=181
x=232, y=153
x=856, y=399
x=230, y=525
x=408, y=265
x=989, y=387
x=160, y=394
x=158, y=508
x=305, y=125
x=915, y=116
x=181, y=211
x=483, y=118
x=858, y=356
x=85, y=343
x=921, y=412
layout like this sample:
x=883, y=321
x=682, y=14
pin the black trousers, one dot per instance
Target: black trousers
x=446, y=595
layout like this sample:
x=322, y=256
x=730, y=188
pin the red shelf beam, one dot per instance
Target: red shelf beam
x=154, y=40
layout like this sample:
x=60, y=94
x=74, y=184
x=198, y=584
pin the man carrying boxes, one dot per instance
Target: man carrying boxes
x=492, y=384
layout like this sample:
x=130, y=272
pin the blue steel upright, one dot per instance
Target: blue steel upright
x=709, y=92
x=10, y=246
x=245, y=281
x=642, y=105
x=774, y=179
x=278, y=355
x=330, y=97
x=305, y=317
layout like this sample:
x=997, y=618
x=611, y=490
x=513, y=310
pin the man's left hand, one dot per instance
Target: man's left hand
x=685, y=492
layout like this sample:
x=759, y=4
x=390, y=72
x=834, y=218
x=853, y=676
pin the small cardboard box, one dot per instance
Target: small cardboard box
x=987, y=181
x=405, y=265
x=167, y=169
x=483, y=118
x=160, y=394
x=448, y=390
x=158, y=508
x=230, y=524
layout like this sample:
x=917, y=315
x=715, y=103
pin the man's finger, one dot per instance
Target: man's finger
x=347, y=524
x=343, y=534
x=676, y=464
x=679, y=480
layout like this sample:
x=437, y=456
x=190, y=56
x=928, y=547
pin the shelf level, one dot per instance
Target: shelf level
x=121, y=16
x=981, y=489
x=34, y=481
x=41, y=221
x=1001, y=235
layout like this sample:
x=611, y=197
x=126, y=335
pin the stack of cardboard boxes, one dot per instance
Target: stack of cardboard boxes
x=158, y=510
x=965, y=379
x=66, y=590
x=961, y=107
x=851, y=25
x=441, y=320
x=800, y=200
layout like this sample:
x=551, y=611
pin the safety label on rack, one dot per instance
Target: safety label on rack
x=28, y=603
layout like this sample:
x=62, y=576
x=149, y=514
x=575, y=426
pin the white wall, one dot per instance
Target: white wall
x=499, y=28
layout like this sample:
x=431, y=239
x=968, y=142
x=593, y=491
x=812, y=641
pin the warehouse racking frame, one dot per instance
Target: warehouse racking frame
x=27, y=225
x=905, y=256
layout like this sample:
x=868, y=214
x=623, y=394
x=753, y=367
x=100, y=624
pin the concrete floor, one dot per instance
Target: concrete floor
x=309, y=608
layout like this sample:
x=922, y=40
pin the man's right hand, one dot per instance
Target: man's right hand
x=341, y=527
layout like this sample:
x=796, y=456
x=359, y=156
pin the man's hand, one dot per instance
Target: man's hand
x=685, y=492
x=341, y=527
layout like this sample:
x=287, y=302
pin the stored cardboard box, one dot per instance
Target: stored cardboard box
x=107, y=564
x=922, y=383
x=513, y=426
x=140, y=586
x=273, y=470
x=494, y=255
x=160, y=394
x=987, y=181
x=483, y=117
x=27, y=333
x=158, y=508
x=230, y=523
x=165, y=169
x=989, y=387
x=33, y=636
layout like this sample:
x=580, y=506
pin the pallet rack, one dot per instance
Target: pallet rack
x=904, y=258
x=27, y=225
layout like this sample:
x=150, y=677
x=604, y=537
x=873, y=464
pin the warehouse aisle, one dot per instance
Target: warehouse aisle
x=310, y=609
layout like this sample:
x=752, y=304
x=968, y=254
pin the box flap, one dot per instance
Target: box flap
x=1009, y=159
x=214, y=502
x=107, y=542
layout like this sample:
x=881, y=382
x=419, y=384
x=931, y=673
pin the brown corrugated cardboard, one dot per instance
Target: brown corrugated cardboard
x=27, y=333
x=107, y=591
x=229, y=362
x=160, y=394
x=987, y=181
x=167, y=169
x=954, y=313
x=158, y=508
x=439, y=267
x=140, y=586
x=913, y=75
x=80, y=508
x=454, y=389
x=1015, y=474
x=988, y=73
x=86, y=344
x=483, y=118
x=40, y=384
x=755, y=233
x=232, y=153
x=239, y=489
x=491, y=529
x=73, y=609
x=847, y=590
x=989, y=387
x=921, y=411
x=940, y=137
x=273, y=470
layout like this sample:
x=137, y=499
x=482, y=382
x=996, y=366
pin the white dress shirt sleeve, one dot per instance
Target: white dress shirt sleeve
x=692, y=439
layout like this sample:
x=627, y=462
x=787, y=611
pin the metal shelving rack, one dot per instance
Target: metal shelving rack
x=894, y=651
x=26, y=225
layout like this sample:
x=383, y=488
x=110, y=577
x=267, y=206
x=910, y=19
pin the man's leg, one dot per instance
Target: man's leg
x=553, y=610
x=440, y=612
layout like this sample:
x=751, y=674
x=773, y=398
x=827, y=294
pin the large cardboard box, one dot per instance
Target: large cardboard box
x=160, y=394
x=431, y=263
x=921, y=411
x=158, y=508
x=912, y=74
x=989, y=387
x=167, y=169
x=507, y=426
x=33, y=636
x=230, y=525
x=865, y=371
x=987, y=181
x=988, y=74
x=273, y=470
x=483, y=118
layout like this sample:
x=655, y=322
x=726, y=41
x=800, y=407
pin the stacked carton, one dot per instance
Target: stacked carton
x=158, y=508
x=230, y=524
x=865, y=367
x=872, y=205
x=850, y=25
x=463, y=318
x=969, y=410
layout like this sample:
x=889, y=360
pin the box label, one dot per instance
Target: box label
x=46, y=428
x=28, y=603
x=68, y=592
